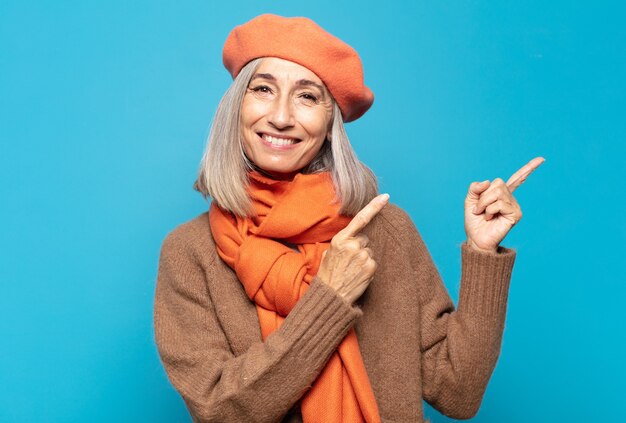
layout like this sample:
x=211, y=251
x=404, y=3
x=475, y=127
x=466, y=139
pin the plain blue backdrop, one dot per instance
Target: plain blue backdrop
x=104, y=111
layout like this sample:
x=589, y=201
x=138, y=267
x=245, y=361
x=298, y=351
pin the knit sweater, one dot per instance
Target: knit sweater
x=415, y=344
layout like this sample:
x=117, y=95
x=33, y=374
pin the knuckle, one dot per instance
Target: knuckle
x=363, y=255
x=352, y=246
x=371, y=266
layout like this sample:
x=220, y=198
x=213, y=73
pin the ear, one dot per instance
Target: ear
x=329, y=128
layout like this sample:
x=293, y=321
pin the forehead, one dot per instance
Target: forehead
x=285, y=69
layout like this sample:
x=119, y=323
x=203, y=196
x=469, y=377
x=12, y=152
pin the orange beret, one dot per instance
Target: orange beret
x=302, y=41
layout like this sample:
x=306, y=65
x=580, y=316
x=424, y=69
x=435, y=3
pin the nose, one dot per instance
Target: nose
x=281, y=114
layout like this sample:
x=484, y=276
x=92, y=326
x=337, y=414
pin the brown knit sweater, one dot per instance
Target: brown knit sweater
x=414, y=344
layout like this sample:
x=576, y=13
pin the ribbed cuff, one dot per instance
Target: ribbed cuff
x=485, y=279
x=319, y=322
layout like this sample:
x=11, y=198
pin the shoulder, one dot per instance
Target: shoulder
x=191, y=239
x=396, y=223
x=393, y=216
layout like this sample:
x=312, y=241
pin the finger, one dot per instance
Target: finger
x=349, y=244
x=520, y=176
x=362, y=218
x=364, y=256
x=477, y=188
x=501, y=207
x=493, y=194
x=362, y=239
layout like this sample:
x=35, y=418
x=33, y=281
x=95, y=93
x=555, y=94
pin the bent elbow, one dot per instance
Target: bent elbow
x=459, y=400
x=231, y=408
x=461, y=410
x=465, y=413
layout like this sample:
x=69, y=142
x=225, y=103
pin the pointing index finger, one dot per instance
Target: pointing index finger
x=520, y=176
x=363, y=217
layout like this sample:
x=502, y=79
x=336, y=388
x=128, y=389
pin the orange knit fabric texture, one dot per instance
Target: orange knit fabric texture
x=301, y=212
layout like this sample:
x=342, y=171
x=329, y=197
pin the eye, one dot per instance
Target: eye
x=309, y=97
x=261, y=89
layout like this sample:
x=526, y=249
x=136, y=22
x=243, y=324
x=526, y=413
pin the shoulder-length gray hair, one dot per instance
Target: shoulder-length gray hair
x=223, y=173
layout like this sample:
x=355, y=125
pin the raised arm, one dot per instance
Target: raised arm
x=261, y=384
x=460, y=346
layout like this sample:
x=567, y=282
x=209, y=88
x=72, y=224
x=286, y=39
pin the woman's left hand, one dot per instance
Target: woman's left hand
x=491, y=210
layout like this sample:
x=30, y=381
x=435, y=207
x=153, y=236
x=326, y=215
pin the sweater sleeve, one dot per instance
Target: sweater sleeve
x=460, y=347
x=260, y=385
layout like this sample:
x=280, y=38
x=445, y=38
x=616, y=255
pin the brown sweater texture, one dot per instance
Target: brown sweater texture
x=415, y=344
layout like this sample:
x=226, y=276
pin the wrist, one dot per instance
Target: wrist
x=474, y=247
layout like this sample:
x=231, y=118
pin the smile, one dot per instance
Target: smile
x=278, y=142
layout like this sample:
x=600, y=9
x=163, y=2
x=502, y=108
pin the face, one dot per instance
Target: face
x=285, y=117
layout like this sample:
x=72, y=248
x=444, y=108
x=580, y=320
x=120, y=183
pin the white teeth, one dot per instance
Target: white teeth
x=278, y=141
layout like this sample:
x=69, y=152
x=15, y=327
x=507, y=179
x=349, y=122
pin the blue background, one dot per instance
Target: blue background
x=104, y=112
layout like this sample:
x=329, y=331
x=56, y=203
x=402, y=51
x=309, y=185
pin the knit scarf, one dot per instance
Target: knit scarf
x=300, y=212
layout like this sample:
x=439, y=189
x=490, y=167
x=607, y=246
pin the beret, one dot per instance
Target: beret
x=302, y=41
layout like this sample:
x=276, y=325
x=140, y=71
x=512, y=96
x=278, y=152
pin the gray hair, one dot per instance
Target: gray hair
x=223, y=173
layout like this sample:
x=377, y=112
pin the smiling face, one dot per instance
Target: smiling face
x=285, y=117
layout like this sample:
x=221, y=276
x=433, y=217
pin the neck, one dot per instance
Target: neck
x=275, y=175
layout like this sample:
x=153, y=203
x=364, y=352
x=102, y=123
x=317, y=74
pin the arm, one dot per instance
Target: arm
x=264, y=382
x=459, y=347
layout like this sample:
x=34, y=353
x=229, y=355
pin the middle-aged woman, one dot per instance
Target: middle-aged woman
x=301, y=295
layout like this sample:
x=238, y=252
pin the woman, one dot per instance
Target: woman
x=302, y=295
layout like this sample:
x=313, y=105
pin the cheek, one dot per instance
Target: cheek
x=248, y=117
x=246, y=143
x=246, y=120
x=315, y=123
x=251, y=111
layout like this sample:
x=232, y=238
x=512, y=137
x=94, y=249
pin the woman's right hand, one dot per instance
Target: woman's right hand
x=347, y=265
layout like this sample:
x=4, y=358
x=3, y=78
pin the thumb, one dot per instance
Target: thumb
x=477, y=188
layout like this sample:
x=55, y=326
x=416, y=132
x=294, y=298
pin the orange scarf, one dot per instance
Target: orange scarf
x=274, y=276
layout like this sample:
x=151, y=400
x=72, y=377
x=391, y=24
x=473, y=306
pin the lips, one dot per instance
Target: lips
x=278, y=141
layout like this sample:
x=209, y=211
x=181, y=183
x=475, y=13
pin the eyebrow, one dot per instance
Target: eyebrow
x=300, y=82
